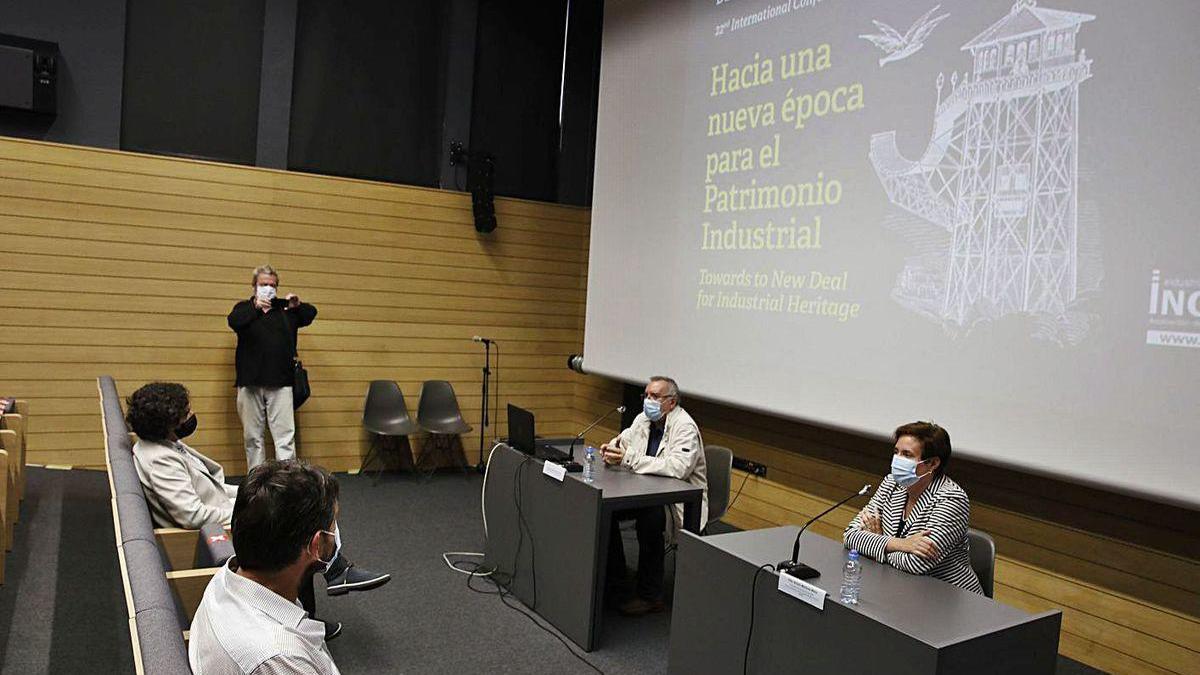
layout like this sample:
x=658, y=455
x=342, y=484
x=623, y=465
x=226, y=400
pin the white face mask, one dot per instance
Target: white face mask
x=337, y=549
x=904, y=471
x=265, y=293
x=653, y=409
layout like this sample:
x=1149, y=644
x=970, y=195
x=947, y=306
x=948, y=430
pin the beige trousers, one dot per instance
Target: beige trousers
x=262, y=406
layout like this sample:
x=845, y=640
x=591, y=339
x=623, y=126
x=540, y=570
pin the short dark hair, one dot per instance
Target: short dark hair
x=934, y=440
x=278, y=508
x=154, y=410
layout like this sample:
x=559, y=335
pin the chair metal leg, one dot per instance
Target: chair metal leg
x=370, y=452
x=440, y=447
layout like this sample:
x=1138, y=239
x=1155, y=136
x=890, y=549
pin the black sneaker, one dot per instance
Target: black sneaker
x=356, y=579
x=332, y=630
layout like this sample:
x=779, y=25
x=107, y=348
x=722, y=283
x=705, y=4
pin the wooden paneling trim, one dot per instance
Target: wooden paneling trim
x=350, y=209
x=186, y=325
x=35, y=228
x=1133, y=645
x=234, y=280
x=1167, y=624
x=282, y=182
x=234, y=266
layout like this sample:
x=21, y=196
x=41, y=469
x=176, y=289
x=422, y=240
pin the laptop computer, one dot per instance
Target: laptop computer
x=522, y=438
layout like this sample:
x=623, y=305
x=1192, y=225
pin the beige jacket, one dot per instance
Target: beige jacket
x=184, y=488
x=680, y=454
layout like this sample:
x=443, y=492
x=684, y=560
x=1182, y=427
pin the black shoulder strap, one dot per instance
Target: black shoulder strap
x=291, y=338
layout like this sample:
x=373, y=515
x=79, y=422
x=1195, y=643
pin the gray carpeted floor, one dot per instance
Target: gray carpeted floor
x=62, y=607
x=428, y=618
x=63, y=610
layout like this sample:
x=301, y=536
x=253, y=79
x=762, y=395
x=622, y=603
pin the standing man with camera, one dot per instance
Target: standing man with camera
x=266, y=328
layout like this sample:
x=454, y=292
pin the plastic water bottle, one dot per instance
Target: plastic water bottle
x=589, y=464
x=851, y=579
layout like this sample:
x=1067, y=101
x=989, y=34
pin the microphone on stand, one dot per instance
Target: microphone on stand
x=799, y=569
x=484, y=419
x=619, y=409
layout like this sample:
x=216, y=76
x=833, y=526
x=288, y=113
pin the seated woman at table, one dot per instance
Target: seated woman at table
x=917, y=520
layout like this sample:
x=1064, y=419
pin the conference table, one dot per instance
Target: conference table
x=903, y=623
x=548, y=538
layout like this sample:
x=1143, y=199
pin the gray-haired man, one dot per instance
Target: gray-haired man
x=663, y=440
x=267, y=327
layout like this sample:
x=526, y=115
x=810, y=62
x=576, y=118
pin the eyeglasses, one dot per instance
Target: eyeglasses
x=657, y=397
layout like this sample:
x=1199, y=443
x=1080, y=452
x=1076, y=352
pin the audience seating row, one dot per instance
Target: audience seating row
x=12, y=474
x=164, y=570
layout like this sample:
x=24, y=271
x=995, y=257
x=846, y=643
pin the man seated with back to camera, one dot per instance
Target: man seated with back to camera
x=284, y=530
x=188, y=490
x=663, y=440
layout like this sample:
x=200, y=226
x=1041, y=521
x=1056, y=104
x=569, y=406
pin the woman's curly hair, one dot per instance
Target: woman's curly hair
x=154, y=411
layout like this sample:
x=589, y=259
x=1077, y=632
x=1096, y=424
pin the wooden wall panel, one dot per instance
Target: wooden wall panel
x=1125, y=572
x=124, y=264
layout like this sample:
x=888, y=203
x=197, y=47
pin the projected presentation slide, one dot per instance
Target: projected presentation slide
x=863, y=212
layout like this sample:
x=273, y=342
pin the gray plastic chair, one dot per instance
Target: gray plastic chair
x=439, y=414
x=983, y=558
x=719, y=462
x=438, y=411
x=385, y=415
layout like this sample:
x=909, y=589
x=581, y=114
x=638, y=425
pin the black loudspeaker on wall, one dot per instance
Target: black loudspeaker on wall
x=480, y=172
x=28, y=75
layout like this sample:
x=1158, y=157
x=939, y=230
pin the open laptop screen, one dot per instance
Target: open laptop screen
x=520, y=429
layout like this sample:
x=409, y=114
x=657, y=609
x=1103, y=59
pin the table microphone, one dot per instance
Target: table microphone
x=799, y=569
x=620, y=409
x=486, y=341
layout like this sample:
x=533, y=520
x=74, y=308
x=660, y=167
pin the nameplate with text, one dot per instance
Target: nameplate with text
x=802, y=590
x=556, y=471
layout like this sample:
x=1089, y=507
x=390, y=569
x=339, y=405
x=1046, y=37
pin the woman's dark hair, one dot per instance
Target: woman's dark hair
x=279, y=507
x=934, y=440
x=154, y=411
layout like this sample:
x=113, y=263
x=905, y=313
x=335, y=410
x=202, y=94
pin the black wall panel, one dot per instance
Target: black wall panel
x=366, y=98
x=91, y=43
x=192, y=72
x=518, y=77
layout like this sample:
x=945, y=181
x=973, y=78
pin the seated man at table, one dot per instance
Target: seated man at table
x=284, y=530
x=188, y=490
x=663, y=440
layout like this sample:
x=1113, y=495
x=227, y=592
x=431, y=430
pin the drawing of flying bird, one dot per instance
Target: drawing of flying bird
x=900, y=46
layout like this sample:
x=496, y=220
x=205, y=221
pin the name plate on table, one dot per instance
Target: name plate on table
x=802, y=590
x=556, y=471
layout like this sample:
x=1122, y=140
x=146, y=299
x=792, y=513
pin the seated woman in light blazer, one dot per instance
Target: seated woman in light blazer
x=917, y=520
x=186, y=489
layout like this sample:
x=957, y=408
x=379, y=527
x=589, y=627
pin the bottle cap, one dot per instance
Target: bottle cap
x=854, y=553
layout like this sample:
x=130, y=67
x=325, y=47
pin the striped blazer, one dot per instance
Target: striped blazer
x=943, y=509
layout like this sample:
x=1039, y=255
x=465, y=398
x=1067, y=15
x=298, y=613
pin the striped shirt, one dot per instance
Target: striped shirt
x=943, y=509
x=243, y=628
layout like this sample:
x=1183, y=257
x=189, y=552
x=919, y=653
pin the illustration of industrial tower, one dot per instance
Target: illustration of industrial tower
x=999, y=174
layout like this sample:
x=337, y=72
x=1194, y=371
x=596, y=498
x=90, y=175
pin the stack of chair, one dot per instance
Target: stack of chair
x=12, y=474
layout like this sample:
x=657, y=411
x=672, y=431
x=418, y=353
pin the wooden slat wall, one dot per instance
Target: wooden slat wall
x=125, y=264
x=1125, y=573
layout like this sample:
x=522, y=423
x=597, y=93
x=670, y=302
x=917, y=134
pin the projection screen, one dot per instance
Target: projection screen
x=863, y=213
